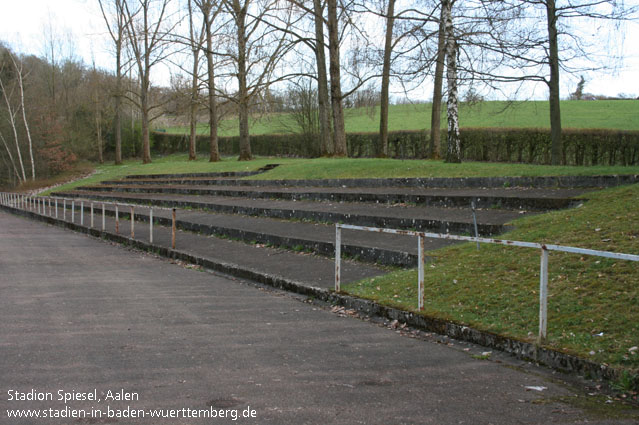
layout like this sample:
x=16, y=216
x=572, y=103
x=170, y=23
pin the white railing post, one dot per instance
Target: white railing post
x=103, y=219
x=92, y=215
x=81, y=213
x=73, y=211
x=64, y=209
x=151, y=225
x=56, y=207
x=543, y=296
x=338, y=257
x=420, y=272
x=117, y=220
x=50, y=213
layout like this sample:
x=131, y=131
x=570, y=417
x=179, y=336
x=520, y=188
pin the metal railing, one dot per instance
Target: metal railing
x=50, y=206
x=543, y=273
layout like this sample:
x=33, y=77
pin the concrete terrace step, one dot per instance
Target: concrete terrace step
x=443, y=220
x=386, y=249
x=212, y=175
x=430, y=182
x=519, y=198
x=254, y=262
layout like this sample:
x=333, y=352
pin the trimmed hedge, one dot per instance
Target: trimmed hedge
x=580, y=146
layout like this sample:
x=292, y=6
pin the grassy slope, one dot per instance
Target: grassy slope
x=619, y=114
x=496, y=288
x=327, y=168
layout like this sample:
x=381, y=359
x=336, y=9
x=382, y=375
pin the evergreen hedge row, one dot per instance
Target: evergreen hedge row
x=580, y=146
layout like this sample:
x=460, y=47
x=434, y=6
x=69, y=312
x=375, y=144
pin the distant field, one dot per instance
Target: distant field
x=613, y=114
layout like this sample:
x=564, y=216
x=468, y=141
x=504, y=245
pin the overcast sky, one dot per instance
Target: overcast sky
x=22, y=25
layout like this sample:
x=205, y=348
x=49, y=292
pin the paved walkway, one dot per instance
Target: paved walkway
x=79, y=314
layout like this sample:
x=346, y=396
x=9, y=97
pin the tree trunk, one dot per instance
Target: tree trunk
x=326, y=147
x=144, y=106
x=339, y=130
x=453, y=151
x=195, y=49
x=144, y=95
x=193, y=107
x=11, y=116
x=213, y=143
x=245, y=142
x=98, y=130
x=383, y=109
x=553, y=84
x=118, y=85
x=436, y=113
x=117, y=122
x=13, y=163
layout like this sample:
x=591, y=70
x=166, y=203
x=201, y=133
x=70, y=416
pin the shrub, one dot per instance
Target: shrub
x=526, y=145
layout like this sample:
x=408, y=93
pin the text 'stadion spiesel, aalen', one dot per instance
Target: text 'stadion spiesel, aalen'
x=66, y=396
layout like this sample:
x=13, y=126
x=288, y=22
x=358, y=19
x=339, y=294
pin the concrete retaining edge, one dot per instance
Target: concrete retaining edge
x=451, y=183
x=362, y=253
x=520, y=349
x=319, y=216
x=447, y=201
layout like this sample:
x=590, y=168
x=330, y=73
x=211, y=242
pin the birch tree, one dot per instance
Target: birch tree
x=453, y=150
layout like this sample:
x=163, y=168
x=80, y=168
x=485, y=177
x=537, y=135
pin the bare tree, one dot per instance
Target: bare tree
x=210, y=12
x=19, y=75
x=11, y=118
x=196, y=41
x=326, y=148
x=258, y=49
x=117, y=24
x=339, y=128
x=436, y=112
x=147, y=40
x=386, y=68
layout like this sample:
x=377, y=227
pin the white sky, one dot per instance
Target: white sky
x=22, y=25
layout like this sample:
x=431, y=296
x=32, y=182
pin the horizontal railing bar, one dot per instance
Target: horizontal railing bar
x=561, y=248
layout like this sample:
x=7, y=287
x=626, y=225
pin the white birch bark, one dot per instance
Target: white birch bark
x=12, y=120
x=24, y=115
x=453, y=151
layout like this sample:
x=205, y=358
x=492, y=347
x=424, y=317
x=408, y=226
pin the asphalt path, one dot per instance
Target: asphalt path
x=81, y=317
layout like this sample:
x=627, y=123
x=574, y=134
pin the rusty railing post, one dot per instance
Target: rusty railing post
x=151, y=225
x=420, y=272
x=338, y=257
x=543, y=296
x=173, y=228
x=132, y=223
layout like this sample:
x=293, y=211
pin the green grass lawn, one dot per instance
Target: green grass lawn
x=611, y=114
x=593, y=304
